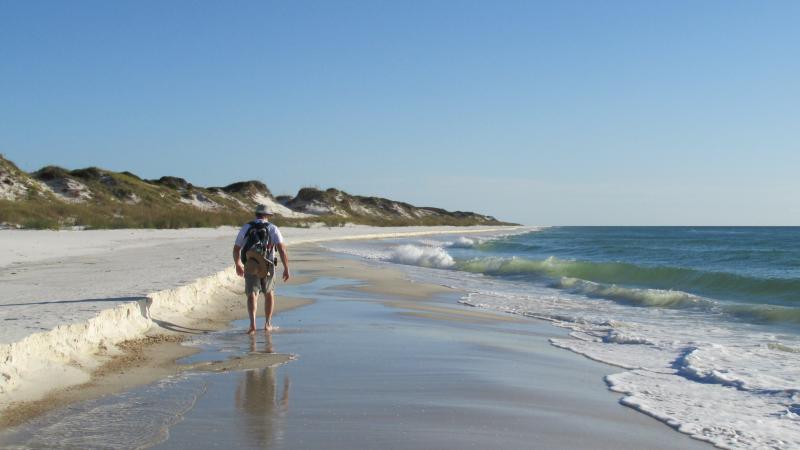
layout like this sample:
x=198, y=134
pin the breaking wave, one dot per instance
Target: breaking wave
x=664, y=298
x=435, y=257
x=465, y=242
x=494, y=244
x=638, y=297
x=625, y=283
x=763, y=313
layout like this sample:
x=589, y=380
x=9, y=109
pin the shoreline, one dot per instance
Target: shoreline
x=434, y=306
x=460, y=375
x=76, y=351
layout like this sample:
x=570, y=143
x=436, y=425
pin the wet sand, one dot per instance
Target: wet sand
x=153, y=358
x=410, y=368
x=370, y=361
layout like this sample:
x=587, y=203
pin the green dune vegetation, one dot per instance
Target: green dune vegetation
x=54, y=198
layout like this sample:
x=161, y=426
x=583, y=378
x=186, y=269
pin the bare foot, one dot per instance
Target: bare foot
x=269, y=327
x=251, y=331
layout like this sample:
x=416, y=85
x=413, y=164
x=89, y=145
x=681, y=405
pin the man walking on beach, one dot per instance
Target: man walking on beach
x=258, y=241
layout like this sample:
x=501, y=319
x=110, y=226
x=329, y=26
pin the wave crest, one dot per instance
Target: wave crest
x=413, y=255
x=640, y=297
x=465, y=242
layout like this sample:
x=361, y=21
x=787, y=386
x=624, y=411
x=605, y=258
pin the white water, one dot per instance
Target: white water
x=421, y=256
x=735, y=385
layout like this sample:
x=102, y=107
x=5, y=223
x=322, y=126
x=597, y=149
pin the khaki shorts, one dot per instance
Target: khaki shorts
x=253, y=284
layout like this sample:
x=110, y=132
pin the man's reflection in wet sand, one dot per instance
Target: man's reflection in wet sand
x=256, y=395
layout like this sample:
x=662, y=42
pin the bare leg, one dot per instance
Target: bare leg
x=269, y=306
x=251, y=311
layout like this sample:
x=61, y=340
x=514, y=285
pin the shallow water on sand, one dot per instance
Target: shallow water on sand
x=368, y=376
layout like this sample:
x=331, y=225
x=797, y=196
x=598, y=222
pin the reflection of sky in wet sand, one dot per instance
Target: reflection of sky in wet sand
x=257, y=397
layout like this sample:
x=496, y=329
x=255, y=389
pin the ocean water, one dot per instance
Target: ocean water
x=703, y=322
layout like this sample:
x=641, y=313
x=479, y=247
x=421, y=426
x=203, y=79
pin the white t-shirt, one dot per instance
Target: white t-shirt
x=275, y=237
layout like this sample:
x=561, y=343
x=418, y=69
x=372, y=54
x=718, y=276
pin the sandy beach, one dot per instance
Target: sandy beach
x=69, y=297
x=509, y=225
x=363, y=358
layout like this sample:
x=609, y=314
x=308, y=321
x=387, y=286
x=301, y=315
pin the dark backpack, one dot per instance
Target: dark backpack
x=257, y=238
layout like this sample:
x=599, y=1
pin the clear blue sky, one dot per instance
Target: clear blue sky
x=561, y=112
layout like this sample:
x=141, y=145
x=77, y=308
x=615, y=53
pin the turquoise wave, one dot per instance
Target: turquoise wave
x=506, y=246
x=638, y=297
x=662, y=298
x=764, y=313
x=725, y=286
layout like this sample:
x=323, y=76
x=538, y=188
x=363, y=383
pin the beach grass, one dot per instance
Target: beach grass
x=40, y=212
x=95, y=198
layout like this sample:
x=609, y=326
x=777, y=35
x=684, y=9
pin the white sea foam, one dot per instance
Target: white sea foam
x=684, y=368
x=421, y=256
x=423, y=253
x=465, y=242
x=431, y=256
x=723, y=415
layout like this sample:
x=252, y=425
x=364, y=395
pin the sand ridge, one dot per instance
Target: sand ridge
x=144, y=360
